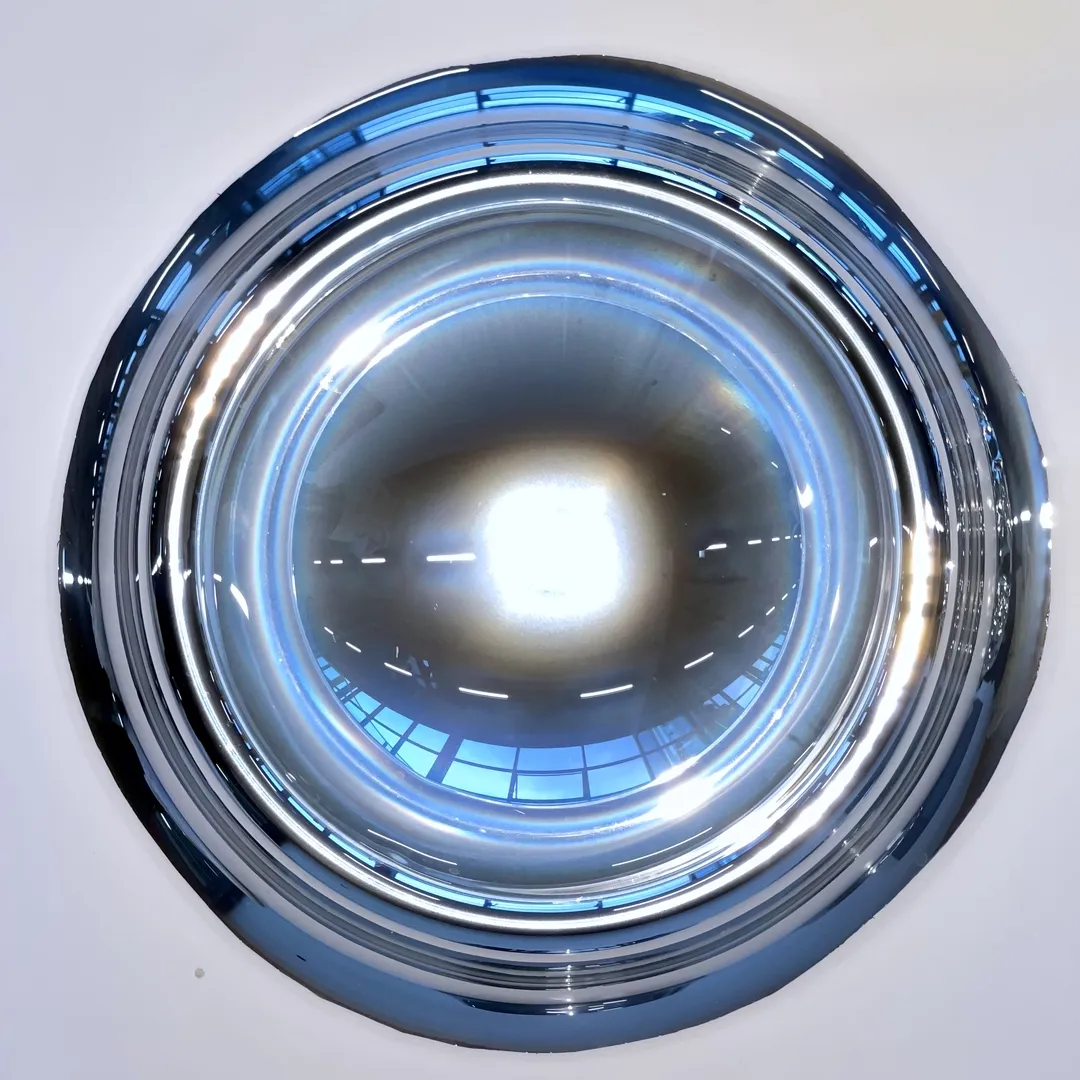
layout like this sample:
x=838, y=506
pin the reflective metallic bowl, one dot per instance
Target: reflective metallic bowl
x=552, y=552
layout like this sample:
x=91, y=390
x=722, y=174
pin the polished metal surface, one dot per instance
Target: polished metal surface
x=552, y=552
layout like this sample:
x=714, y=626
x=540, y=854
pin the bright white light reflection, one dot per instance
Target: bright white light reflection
x=553, y=550
x=238, y=596
x=806, y=496
x=682, y=800
x=765, y=119
x=483, y=693
x=441, y=73
x=1046, y=515
x=609, y=690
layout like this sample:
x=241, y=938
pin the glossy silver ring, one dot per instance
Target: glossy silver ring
x=552, y=552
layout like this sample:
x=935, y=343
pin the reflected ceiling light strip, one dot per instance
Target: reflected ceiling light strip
x=238, y=596
x=664, y=850
x=484, y=693
x=747, y=630
x=164, y=273
x=383, y=93
x=409, y=847
x=399, y=670
x=609, y=690
x=355, y=648
x=372, y=562
x=716, y=547
x=464, y=556
x=699, y=660
x=758, y=116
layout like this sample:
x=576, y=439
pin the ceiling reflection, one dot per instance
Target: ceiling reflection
x=546, y=552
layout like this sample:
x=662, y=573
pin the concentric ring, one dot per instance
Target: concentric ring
x=552, y=541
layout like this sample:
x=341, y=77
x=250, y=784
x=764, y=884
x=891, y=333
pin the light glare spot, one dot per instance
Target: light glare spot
x=553, y=551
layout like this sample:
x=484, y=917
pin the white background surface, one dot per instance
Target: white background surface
x=120, y=122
